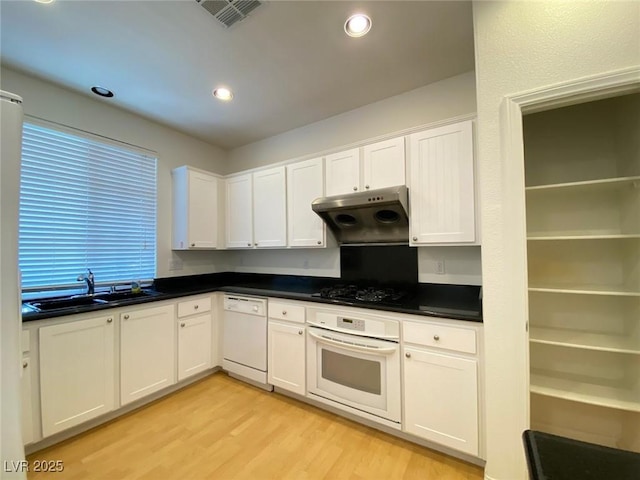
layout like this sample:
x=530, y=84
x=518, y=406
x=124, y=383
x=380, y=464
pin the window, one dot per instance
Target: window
x=85, y=202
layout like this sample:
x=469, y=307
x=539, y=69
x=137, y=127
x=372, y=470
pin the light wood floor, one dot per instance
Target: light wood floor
x=220, y=428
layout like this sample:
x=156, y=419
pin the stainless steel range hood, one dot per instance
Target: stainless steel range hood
x=371, y=217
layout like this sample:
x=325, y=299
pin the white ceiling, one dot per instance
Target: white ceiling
x=289, y=63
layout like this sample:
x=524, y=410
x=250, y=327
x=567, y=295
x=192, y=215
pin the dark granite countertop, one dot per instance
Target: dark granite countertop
x=559, y=458
x=459, y=302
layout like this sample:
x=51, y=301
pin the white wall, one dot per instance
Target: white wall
x=321, y=262
x=51, y=102
x=432, y=103
x=448, y=98
x=521, y=46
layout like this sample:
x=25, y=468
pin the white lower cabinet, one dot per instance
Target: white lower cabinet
x=441, y=388
x=76, y=372
x=194, y=336
x=27, y=389
x=147, y=351
x=286, y=350
x=27, y=404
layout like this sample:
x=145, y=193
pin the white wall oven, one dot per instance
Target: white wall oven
x=353, y=363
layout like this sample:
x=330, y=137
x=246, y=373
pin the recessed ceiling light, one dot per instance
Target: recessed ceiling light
x=223, y=93
x=357, y=25
x=44, y=1
x=103, y=92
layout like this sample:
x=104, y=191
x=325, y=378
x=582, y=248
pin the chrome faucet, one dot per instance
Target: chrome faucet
x=90, y=279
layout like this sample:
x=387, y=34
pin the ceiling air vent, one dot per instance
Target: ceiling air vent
x=229, y=12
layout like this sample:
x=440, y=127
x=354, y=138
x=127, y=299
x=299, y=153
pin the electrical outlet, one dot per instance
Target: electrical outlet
x=440, y=267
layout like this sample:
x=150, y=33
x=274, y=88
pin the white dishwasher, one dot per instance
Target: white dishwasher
x=244, y=345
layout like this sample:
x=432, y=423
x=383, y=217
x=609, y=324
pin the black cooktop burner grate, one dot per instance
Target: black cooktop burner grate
x=363, y=294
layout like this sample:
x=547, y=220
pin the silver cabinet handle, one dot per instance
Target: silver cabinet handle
x=300, y=332
x=415, y=239
x=436, y=337
x=367, y=187
x=355, y=189
x=25, y=364
x=256, y=244
x=195, y=307
x=284, y=312
x=126, y=317
x=408, y=355
x=249, y=244
x=182, y=324
x=319, y=242
x=109, y=320
x=193, y=244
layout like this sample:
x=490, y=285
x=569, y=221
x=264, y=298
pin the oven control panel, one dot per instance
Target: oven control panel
x=358, y=322
x=351, y=324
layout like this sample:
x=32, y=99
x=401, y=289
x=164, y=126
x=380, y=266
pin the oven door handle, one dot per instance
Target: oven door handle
x=355, y=348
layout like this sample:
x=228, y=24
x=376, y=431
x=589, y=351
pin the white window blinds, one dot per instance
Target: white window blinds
x=84, y=204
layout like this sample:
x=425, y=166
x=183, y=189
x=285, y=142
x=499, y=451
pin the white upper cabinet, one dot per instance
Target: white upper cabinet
x=374, y=166
x=383, y=164
x=256, y=207
x=305, y=183
x=441, y=185
x=343, y=172
x=239, y=203
x=270, y=208
x=195, y=209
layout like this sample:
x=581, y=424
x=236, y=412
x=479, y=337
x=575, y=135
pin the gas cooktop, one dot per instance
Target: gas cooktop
x=364, y=294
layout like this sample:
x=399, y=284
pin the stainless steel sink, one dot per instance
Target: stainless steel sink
x=75, y=301
x=117, y=296
x=67, y=302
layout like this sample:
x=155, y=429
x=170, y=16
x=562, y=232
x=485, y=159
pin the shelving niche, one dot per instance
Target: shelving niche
x=582, y=187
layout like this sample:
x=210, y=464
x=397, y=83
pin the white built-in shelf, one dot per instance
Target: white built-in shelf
x=627, y=344
x=585, y=390
x=535, y=236
x=590, y=185
x=586, y=289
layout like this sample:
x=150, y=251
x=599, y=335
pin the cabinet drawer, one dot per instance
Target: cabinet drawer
x=191, y=307
x=286, y=311
x=440, y=336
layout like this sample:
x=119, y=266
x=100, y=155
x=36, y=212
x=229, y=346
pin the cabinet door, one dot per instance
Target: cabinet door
x=343, y=172
x=383, y=164
x=76, y=372
x=147, y=352
x=441, y=399
x=195, y=209
x=203, y=210
x=305, y=183
x=194, y=345
x=239, y=212
x=270, y=208
x=442, y=185
x=286, y=353
x=27, y=402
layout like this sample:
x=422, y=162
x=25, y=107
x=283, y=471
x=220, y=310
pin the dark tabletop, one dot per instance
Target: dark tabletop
x=458, y=302
x=550, y=457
